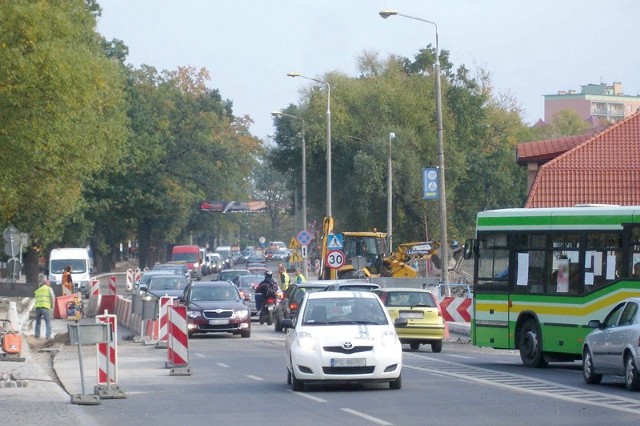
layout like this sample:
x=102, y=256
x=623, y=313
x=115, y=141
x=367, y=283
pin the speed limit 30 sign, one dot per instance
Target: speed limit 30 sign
x=335, y=259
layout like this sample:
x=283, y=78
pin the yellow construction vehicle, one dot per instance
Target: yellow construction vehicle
x=398, y=264
x=370, y=248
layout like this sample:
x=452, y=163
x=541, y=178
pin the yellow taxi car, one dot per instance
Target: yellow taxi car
x=418, y=307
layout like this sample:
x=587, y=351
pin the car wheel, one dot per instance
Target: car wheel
x=436, y=346
x=396, y=384
x=530, y=339
x=296, y=385
x=288, y=377
x=631, y=376
x=414, y=346
x=588, y=369
x=245, y=334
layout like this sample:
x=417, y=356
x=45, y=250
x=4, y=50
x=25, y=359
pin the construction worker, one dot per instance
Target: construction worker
x=44, y=302
x=299, y=276
x=67, y=281
x=284, y=277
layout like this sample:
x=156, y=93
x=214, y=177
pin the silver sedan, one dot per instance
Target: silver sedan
x=613, y=346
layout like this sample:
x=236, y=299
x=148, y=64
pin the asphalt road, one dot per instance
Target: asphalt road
x=237, y=380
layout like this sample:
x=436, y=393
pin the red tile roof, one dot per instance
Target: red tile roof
x=543, y=151
x=603, y=170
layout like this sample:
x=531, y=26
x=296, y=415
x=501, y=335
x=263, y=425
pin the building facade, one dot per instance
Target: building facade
x=596, y=103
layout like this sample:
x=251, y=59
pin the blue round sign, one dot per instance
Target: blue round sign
x=304, y=238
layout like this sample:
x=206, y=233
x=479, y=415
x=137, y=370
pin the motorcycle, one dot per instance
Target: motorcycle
x=266, y=312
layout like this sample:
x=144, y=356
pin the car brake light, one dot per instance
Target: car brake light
x=293, y=306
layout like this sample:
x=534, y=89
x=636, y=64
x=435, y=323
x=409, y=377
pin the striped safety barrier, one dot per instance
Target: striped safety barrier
x=112, y=285
x=178, y=345
x=107, y=353
x=163, y=318
x=129, y=282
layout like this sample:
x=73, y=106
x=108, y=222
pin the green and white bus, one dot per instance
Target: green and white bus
x=541, y=274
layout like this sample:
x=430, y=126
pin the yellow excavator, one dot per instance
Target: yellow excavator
x=369, y=251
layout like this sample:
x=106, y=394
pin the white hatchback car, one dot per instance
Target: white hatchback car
x=342, y=336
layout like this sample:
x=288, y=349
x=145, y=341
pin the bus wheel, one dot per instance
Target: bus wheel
x=531, y=345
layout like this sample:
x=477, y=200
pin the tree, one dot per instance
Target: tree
x=62, y=115
x=565, y=123
x=398, y=95
x=185, y=146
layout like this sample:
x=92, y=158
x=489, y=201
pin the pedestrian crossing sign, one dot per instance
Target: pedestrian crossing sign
x=335, y=242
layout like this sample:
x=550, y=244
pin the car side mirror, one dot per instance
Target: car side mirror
x=595, y=324
x=401, y=322
x=286, y=323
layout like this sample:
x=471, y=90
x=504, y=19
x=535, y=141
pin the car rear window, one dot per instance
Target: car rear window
x=408, y=298
x=357, y=287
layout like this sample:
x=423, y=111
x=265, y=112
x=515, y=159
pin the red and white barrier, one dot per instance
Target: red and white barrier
x=67, y=289
x=163, y=318
x=112, y=285
x=137, y=274
x=129, y=282
x=456, y=309
x=178, y=345
x=107, y=353
x=95, y=288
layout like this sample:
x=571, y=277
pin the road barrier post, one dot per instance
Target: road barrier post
x=178, y=345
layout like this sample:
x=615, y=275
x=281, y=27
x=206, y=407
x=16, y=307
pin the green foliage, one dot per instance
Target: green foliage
x=564, y=123
x=398, y=95
x=62, y=112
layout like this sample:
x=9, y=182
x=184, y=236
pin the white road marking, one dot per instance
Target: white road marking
x=222, y=364
x=460, y=356
x=366, y=417
x=199, y=355
x=259, y=379
x=311, y=397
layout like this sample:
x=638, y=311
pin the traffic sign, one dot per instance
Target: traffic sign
x=303, y=250
x=335, y=259
x=304, y=238
x=335, y=242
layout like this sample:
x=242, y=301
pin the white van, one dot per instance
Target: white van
x=81, y=267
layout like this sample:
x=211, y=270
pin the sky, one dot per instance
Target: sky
x=530, y=48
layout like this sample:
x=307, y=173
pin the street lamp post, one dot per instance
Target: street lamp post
x=295, y=74
x=444, y=248
x=305, y=270
x=390, y=195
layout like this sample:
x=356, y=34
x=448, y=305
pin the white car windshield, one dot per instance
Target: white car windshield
x=344, y=311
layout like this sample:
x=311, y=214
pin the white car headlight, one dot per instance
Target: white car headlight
x=305, y=341
x=240, y=314
x=389, y=338
x=194, y=314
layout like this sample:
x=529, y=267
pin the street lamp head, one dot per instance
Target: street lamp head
x=293, y=74
x=386, y=13
x=277, y=113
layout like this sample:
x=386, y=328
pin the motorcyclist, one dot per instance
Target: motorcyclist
x=263, y=289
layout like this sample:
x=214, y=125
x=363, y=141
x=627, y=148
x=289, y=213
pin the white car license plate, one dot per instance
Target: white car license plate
x=412, y=315
x=270, y=308
x=218, y=321
x=348, y=362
